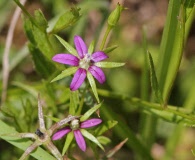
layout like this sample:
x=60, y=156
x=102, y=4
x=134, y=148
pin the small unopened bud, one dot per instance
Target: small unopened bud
x=115, y=15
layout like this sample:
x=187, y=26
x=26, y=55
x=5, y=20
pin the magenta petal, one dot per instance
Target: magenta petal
x=66, y=59
x=78, y=79
x=98, y=56
x=97, y=73
x=80, y=46
x=90, y=123
x=80, y=140
x=62, y=132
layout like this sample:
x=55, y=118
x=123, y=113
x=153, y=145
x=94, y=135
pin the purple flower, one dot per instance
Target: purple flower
x=75, y=127
x=85, y=62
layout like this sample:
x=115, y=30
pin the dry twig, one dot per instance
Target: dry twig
x=7, y=50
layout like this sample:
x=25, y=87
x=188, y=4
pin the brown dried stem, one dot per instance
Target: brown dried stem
x=7, y=50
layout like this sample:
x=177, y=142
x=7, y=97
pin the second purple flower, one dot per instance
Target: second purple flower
x=84, y=61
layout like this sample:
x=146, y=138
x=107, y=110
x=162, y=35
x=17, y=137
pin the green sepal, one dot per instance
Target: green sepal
x=68, y=141
x=68, y=19
x=104, y=140
x=90, y=112
x=67, y=46
x=65, y=73
x=74, y=100
x=89, y=136
x=93, y=85
x=154, y=81
x=110, y=49
x=104, y=127
x=91, y=47
x=109, y=64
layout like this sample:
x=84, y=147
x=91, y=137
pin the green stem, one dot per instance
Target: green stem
x=105, y=37
x=26, y=13
x=148, y=122
x=138, y=102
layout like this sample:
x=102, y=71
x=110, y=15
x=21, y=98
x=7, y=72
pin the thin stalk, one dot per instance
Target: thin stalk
x=6, y=66
x=146, y=124
x=185, y=113
x=105, y=37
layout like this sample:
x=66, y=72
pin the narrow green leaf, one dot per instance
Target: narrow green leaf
x=74, y=100
x=154, y=81
x=43, y=66
x=171, y=48
x=91, y=47
x=109, y=64
x=110, y=49
x=90, y=112
x=67, y=46
x=65, y=73
x=68, y=19
x=105, y=126
x=39, y=153
x=93, y=85
x=104, y=140
x=91, y=138
x=68, y=141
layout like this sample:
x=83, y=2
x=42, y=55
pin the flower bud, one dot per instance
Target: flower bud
x=115, y=15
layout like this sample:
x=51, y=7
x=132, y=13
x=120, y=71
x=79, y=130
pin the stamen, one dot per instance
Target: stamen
x=85, y=62
x=74, y=124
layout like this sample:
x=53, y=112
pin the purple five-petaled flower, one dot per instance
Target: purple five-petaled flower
x=75, y=127
x=85, y=62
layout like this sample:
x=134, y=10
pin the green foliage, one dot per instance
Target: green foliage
x=90, y=112
x=68, y=141
x=109, y=64
x=43, y=66
x=93, y=85
x=65, y=73
x=6, y=130
x=69, y=48
x=68, y=19
x=105, y=127
x=91, y=138
x=36, y=32
x=154, y=81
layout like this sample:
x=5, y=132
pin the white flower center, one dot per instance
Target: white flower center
x=85, y=62
x=74, y=124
